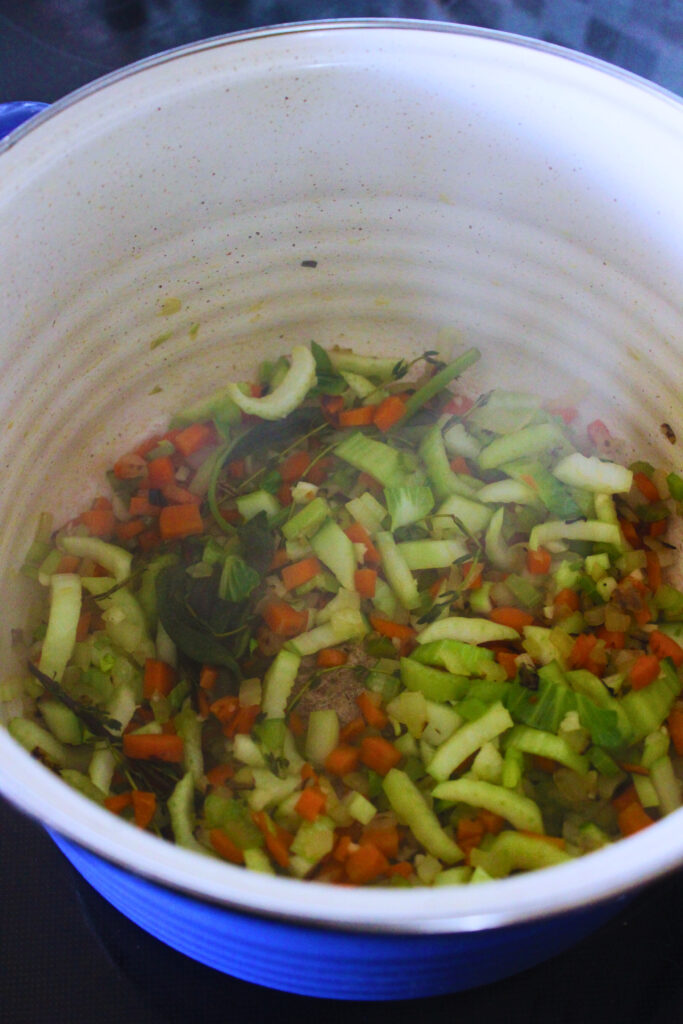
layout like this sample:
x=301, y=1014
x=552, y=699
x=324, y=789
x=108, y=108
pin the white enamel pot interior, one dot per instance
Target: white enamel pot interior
x=454, y=187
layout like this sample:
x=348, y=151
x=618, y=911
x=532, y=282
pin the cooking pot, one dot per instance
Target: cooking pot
x=394, y=186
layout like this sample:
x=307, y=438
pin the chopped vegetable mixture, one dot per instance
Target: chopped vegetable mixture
x=345, y=623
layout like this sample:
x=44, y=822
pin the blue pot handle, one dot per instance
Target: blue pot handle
x=14, y=114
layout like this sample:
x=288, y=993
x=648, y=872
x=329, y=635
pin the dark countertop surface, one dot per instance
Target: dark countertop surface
x=66, y=956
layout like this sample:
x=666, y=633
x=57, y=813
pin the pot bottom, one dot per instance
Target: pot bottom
x=326, y=963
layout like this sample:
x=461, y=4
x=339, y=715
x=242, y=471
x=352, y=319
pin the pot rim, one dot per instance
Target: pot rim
x=605, y=875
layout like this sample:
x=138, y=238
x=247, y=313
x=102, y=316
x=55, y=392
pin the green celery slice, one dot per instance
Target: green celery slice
x=520, y=811
x=411, y=808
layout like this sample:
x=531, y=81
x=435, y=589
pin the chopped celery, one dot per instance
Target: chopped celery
x=433, y=683
x=431, y=554
x=546, y=744
x=110, y=556
x=65, y=611
x=367, y=511
x=411, y=808
x=289, y=393
x=439, y=381
x=278, y=682
x=458, y=512
x=408, y=505
x=336, y=551
x=397, y=572
x=307, y=521
x=520, y=811
x=467, y=630
x=522, y=443
x=590, y=530
x=514, y=851
x=322, y=735
x=593, y=474
x=374, y=457
x=249, y=505
x=468, y=739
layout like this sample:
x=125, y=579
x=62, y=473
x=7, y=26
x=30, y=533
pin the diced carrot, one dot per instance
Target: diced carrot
x=371, y=711
x=538, y=562
x=296, y=724
x=237, y=469
x=663, y=646
x=633, y=819
x=359, y=535
x=171, y=435
x=178, y=521
x=146, y=446
x=144, y=807
x=308, y=772
x=342, y=760
x=298, y=573
x=331, y=406
x=384, y=835
x=469, y=832
x=225, y=847
x=567, y=412
x=148, y=539
x=278, y=840
x=643, y=671
x=331, y=657
x=83, y=627
x=194, y=437
x=581, y=650
x=654, y=571
x=352, y=729
x=544, y=764
x=174, y=494
x=160, y=471
x=642, y=615
x=361, y=416
x=311, y=803
x=658, y=527
x=634, y=769
x=219, y=774
x=459, y=465
x=140, y=505
x=130, y=466
x=243, y=722
x=280, y=558
x=225, y=708
x=493, y=823
x=379, y=754
x=102, y=503
x=647, y=487
x=126, y=531
x=565, y=602
x=99, y=522
x=365, y=864
x=159, y=678
x=613, y=638
x=624, y=798
x=513, y=617
x=284, y=620
x=388, y=412
x=118, y=802
x=317, y=474
x=393, y=630
x=294, y=466
x=369, y=483
x=675, y=726
x=284, y=494
x=630, y=533
x=150, y=745
x=403, y=868
x=365, y=581
x=508, y=659
x=342, y=848
x=208, y=676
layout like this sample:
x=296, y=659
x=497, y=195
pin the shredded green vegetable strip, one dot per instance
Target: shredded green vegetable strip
x=349, y=623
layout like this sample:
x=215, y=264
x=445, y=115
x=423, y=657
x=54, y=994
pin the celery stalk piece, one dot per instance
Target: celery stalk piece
x=65, y=611
x=344, y=625
x=513, y=851
x=307, y=521
x=527, y=441
x=216, y=406
x=497, y=549
x=457, y=508
x=408, y=505
x=433, y=683
x=468, y=739
x=439, y=381
x=287, y=396
x=520, y=811
x=591, y=473
x=278, y=682
x=583, y=529
x=398, y=575
x=322, y=735
x=455, y=656
x=336, y=551
x=457, y=440
x=547, y=744
x=411, y=808
x=33, y=737
x=367, y=511
x=431, y=554
x=189, y=727
x=469, y=631
x=62, y=722
x=181, y=811
x=249, y=505
x=110, y=556
x=374, y=457
x=506, y=492
x=441, y=476
x=270, y=788
x=504, y=412
x=667, y=786
x=376, y=367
